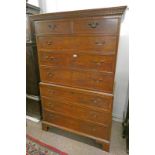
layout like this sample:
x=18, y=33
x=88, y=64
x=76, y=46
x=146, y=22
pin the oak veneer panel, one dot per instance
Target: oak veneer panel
x=92, y=80
x=100, y=131
x=55, y=42
x=55, y=59
x=78, y=60
x=97, y=25
x=77, y=96
x=53, y=27
x=105, y=43
x=76, y=111
x=94, y=62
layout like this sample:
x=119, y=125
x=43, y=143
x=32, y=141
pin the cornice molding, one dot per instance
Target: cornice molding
x=32, y=6
x=112, y=11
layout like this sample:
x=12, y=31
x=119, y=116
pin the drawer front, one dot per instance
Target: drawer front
x=78, y=60
x=53, y=59
x=92, y=80
x=100, y=131
x=106, y=43
x=78, y=78
x=76, y=111
x=52, y=27
x=55, y=75
x=102, y=44
x=74, y=96
x=96, y=25
x=57, y=43
x=92, y=61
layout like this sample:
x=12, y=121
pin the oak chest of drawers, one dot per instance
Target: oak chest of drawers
x=77, y=53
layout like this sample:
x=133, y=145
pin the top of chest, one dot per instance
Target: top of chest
x=94, y=21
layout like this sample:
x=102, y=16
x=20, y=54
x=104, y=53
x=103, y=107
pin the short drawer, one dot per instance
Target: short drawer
x=55, y=75
x=95, y=62
x=53, y=58
x=76, y=111
x=98, y=25
x=53, y=27
x=77, y=96
x=92, y=129
x=55, y=42
x=98, y=43
x=78, y=60
x=91, y=80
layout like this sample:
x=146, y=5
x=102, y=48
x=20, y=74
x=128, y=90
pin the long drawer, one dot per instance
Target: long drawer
x=78, y=78
x=101, y=131
x=78, y=60
x=77, y=96
x=76, y=111
x=102, y=43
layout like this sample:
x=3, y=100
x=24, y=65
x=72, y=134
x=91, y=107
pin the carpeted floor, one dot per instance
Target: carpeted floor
x=77, y=145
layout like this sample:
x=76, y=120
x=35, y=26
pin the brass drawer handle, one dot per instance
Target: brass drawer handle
x=52, y=26
x=49, y=58
x=52, y=58
x=51, y=91
x=96, y=100
x=50, y=74
x=100, y=80
x=98, y=62
x=93, y=25
x=100, y=43
x=49, y=43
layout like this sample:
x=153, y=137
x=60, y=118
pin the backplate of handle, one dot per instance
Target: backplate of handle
x=50, y=74
x=49, y=43
x=52, y=26
x=98, y=62
x=100, y=43
x=93, y=24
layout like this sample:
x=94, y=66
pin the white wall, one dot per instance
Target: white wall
x=122, y=71
x=122, y=68
x=33, y=2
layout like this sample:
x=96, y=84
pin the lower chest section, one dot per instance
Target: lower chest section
x=84, y=111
